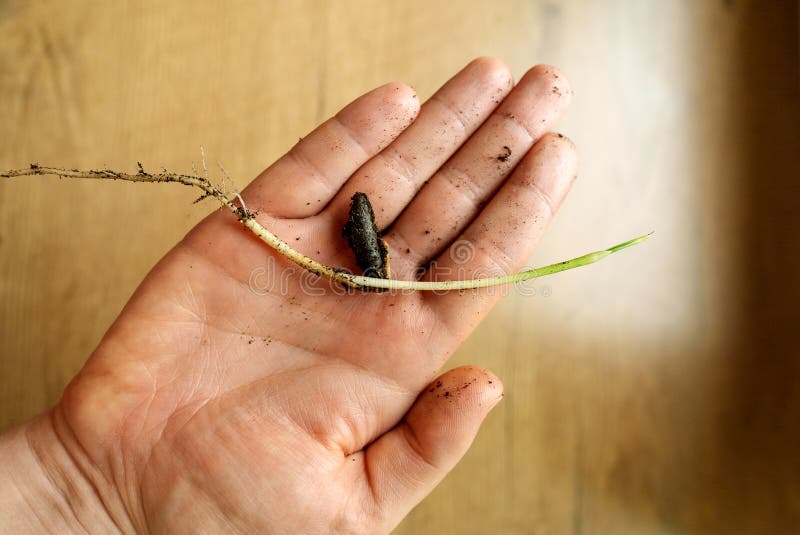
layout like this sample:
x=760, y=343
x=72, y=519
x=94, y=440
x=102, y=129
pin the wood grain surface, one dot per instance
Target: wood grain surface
x=656, y=392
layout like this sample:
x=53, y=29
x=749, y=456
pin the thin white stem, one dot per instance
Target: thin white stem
x=356, y=281
x=203, y=160
x=225, y=175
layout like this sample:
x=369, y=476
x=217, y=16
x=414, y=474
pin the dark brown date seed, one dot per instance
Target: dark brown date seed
x=372, y=255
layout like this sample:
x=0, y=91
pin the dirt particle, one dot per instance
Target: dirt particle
x=505, y=154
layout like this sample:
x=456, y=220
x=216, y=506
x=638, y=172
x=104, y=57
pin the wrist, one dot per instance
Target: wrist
x=46, y=487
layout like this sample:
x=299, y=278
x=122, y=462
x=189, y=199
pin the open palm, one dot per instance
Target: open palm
x=236, y=391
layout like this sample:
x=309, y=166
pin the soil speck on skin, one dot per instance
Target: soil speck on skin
x=506, y=153
x=427, y=231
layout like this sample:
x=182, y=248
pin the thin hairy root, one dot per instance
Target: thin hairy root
x=248, y=219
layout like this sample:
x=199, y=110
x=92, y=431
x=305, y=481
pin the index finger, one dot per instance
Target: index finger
x=305, y=179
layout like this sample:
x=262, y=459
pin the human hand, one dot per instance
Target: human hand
x=212, y=405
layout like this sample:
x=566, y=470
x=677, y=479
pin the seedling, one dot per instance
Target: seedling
x=360, y=230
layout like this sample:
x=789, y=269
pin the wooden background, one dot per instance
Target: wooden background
x=657, y=392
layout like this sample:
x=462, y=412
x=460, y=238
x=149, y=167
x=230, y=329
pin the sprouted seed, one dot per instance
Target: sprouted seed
x=233, y=202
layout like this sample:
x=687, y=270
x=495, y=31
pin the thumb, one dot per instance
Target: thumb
x=406, y=463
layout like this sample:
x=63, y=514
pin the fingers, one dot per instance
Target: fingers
x=306, y=178
x=459, y=189
x=503, y=236
x=405, y=464
x=445, y=122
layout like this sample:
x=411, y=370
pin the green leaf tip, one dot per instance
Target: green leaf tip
x=629, y=243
